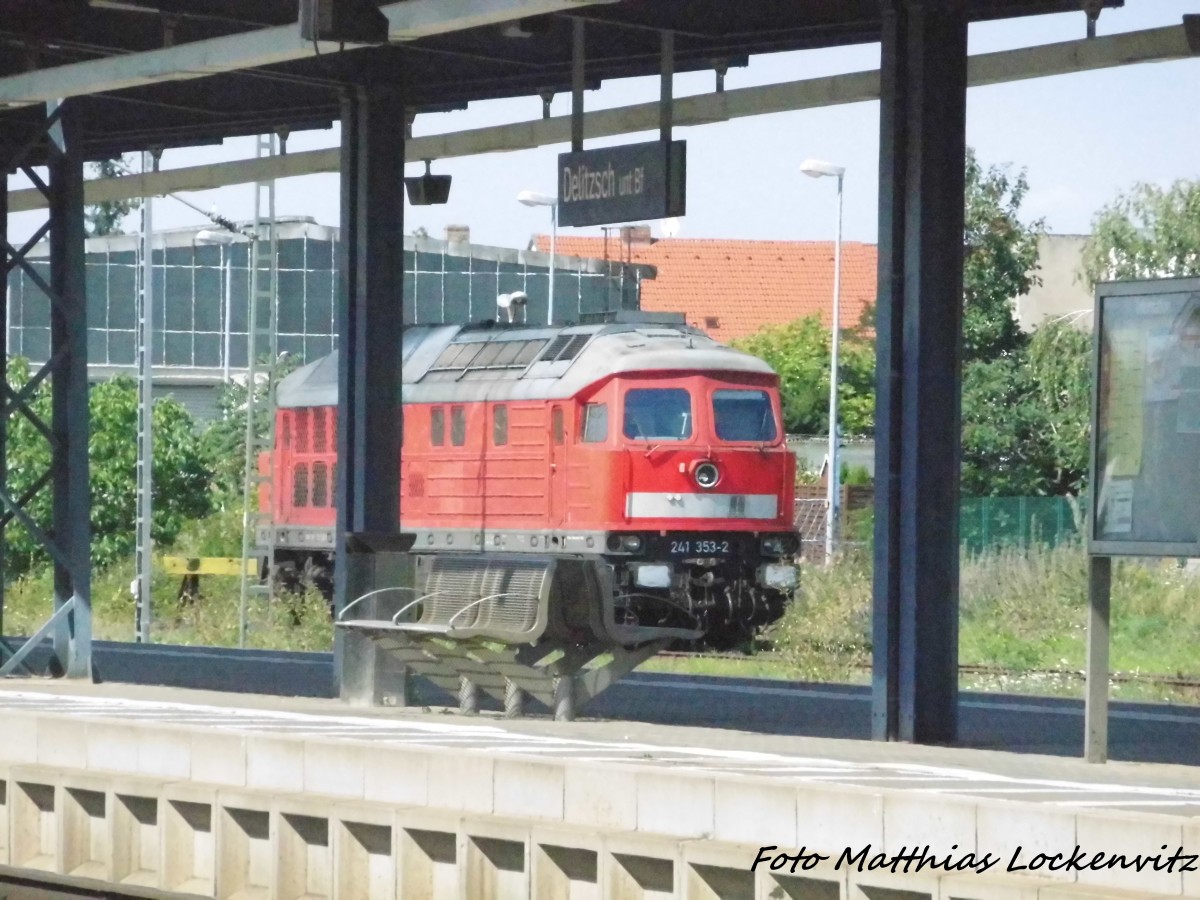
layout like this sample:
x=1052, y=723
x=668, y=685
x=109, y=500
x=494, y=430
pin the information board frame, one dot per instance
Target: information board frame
x=1137, y=405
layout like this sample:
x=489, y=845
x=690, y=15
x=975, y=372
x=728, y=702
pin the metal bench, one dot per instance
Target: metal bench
x=484, y=625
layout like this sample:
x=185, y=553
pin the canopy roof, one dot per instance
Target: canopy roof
x=441, y=54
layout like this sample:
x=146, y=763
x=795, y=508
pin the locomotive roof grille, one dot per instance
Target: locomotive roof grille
x=557, y=346
x=500, y=359
x=571, y=349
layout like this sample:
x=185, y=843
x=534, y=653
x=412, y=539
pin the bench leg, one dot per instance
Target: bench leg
x=564, y=698
x=468, y=696
x=514, y=701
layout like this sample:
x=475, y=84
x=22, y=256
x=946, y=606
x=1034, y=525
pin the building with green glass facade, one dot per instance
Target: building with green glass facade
x=202, y=290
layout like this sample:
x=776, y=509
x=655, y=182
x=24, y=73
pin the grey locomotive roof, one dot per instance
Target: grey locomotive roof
x=567, y=360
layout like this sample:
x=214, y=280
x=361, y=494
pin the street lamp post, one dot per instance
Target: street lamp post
x=816, y=168
x=533, y=198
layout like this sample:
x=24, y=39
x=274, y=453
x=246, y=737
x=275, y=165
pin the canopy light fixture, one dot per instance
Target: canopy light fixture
x=428, y=189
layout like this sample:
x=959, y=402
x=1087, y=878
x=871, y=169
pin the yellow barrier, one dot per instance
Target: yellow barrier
x=208, y=565
x=190, y=568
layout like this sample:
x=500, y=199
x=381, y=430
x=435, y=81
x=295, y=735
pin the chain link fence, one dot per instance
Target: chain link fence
x=984, y=522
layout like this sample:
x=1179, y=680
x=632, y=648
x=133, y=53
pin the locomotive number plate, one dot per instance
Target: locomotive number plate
x=700, y=547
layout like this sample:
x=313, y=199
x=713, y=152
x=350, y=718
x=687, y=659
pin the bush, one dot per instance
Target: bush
x=182, y=474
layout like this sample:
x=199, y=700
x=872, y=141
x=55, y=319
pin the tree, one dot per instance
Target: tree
x=1026, y=415
x=1000, y=261
x=182, y=474
x=1149, y=232
x=799, y=352
x=225, y=439
x=105, y=217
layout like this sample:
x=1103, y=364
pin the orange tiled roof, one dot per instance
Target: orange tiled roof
x=734, y=288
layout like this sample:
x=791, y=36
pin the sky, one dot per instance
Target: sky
x=1081, y=138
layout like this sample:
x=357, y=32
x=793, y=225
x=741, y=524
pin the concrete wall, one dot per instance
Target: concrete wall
x=1063, y=290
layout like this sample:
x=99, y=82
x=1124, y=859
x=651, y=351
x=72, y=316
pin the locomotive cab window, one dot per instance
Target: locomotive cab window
x=437, y=426
x=595, y=423
x=458, y=426
x=556, y=425
x=741, y=415
x=658, y=414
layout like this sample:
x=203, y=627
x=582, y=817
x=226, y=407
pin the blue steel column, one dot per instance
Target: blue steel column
x=69, y=397
x=4, y=170
x=370, y=325
x=918, y=390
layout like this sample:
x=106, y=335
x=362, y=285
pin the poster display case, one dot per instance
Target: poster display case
x=1145, y=472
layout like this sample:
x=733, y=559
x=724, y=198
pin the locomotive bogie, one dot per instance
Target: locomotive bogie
x=651, y=457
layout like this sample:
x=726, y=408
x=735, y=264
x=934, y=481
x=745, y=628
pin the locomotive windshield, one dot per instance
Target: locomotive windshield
x=743, y=416
x=658, y=414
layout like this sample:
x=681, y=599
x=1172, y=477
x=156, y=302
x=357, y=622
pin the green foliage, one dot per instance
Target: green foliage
x=224, y=441
x=1000, y=260
x=105, y=217
x=181, y=471
x=296, y=622
x=855, y=474
x=1149, y=232
x=799, y=352
x=1020, y=610
x=1025, y=417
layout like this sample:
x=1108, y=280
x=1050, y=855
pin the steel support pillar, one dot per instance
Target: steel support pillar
x=370, y=331
x=68, y=539
x=918, y=378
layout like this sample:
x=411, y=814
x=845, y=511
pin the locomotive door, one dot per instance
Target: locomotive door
x=558, y=465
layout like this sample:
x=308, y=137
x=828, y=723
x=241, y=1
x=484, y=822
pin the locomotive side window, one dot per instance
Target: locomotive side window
x=658, y=414
x=500, y=426
x=743, y=416
x=300, y=485
x=437, y=426
x=595, y=423
x=556, y=425
x=320, y=485
x=458, y=426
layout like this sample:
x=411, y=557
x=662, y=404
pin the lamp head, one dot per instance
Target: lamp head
x=209, y=236
x=818, y=168
x=533, y=198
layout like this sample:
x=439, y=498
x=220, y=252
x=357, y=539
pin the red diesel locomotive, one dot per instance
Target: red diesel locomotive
x=649, y=454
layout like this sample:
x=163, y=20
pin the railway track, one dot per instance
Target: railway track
x=1147, y=678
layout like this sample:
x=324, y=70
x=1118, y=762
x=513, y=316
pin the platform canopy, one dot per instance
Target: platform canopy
x=183, y=72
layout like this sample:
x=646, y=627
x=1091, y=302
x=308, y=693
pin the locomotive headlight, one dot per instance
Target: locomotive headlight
x=624, y=543
x=707, y=475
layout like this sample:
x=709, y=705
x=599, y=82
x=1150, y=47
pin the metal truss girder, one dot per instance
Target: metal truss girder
x=918, y=372
x=56, y=621
x=410, y=20
x=1151, y=45
x=69, y=537
x=19, y=399
x=21, y=502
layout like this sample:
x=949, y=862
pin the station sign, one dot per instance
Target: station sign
x=622, y=184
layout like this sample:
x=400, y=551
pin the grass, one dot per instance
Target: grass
x=293, y=622
x=1022, y=612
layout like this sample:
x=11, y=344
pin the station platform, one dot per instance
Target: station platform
x=167, y=792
